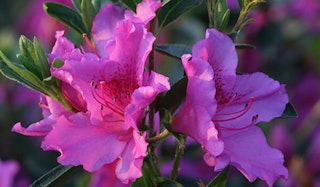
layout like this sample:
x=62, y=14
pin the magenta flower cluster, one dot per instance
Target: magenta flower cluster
x=110, y=87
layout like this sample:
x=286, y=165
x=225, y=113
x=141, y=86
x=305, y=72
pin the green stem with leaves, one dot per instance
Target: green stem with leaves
x=177, y=159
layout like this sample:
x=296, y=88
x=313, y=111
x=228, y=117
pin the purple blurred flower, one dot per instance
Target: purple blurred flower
x=8, y=171
x=35, y=22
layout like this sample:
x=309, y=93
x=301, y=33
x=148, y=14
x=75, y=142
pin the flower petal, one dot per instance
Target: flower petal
x=106, y=177
x=61, y=47
x=131, y=48
x=146, y=11
x=129, y=165
x=195, y=117
x=51, y=110
x=249, y=152
x=219, y=50
x=103, y=26
x=269, y=101
x=144, y=95
x=81, y=143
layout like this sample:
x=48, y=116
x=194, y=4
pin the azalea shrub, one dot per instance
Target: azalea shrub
x=112, y=113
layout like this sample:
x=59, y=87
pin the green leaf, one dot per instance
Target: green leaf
x=28, y=55
x=145, y=180
x=175, y=96
x=33, y=57
x=131, y=4
x=244, y=46
x=221, y=179
x=77, y=4
x=57, y=176
x=66, y=15
x=174, y=50
x=41, y=59
x=19, y=73
x=88, y=12
x=173, y=9
x=169, y=183
x=289, y=112
x=221, y=15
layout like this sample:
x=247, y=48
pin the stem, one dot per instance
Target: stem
x=152, y=26
x=153, y=166
x=177, y=159
x=161, y=136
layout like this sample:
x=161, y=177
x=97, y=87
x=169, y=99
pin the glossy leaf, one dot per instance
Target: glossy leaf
x=41, y=59
x=173, y=9
x=19, y=73
x=88, y=12
x=221, y=179
x=28, y=55
x=66, y=15
x=57, y=176
x=33, y=57
x=77, y=4
x=174, y=50
x=289, y=112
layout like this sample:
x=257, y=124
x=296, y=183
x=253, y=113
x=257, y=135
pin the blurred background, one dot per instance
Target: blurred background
x=286, y=36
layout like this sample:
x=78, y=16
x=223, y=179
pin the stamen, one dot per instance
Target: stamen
x=242, y=112
x=102, y=99
x=253, y=121
x=85, y=37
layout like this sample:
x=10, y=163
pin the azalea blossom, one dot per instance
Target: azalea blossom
x=222, y=108
x=110, y=89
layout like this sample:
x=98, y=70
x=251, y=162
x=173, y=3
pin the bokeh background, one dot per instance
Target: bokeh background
x=286, y=36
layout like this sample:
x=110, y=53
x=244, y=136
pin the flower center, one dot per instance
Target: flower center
x=114, y=95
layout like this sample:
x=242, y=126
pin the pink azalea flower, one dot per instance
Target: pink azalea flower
x=111, y=91
x=221, y=109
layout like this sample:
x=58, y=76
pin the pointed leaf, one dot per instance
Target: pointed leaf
x=57, y=176
x=77, y=4
x=18, y=73
x=33, y=57
x=66, y=15
x=174, y=50
x=41, y=59
x=28, y=55
x=173, y=9
x=289, y=112
x=221, y=179
x=88, y=12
